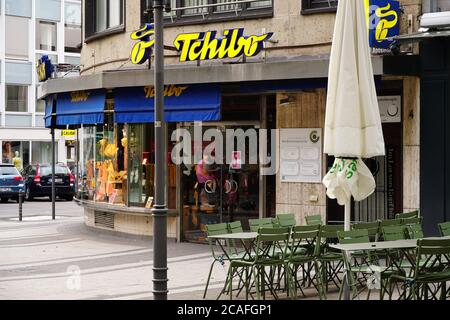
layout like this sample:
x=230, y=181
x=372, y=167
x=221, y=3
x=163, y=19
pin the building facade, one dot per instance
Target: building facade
x=30, y=29
x=281, y=88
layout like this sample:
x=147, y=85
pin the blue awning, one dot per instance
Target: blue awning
x=181, y=103
x=48, y=112
x=80, y=107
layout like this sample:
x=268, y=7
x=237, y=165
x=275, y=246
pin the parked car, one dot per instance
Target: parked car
x=11, y=183
x=38, y=181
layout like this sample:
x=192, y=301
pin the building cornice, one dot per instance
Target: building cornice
x=280, y=69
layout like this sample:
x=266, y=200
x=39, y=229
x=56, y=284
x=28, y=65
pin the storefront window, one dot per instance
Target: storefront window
x=219, y=192
x=42, y=152
x=16, y=152
x=86, y=165
x=136, y=180
x=110, y=165
x=117, y=165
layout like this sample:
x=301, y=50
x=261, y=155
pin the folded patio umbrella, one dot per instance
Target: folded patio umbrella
x=352, y=122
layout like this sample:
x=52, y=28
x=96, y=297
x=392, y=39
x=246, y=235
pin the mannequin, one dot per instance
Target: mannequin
x=17, y=161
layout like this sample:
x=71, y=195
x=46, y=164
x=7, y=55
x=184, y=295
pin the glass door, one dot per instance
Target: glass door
x=216, y=190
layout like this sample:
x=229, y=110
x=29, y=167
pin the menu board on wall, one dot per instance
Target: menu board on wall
x=301, y=155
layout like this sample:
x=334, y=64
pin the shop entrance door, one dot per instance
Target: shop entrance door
x=388, y=175
x=220, y=191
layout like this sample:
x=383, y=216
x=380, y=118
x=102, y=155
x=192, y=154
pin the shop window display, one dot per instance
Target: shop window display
x=117, y=165
x=110, y=167
x=141, y=156
x=137, y=180
x=16, y=152
x=86, y=167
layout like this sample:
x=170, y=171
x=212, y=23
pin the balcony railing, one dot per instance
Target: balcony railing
x=317, y=6
x=203, y=11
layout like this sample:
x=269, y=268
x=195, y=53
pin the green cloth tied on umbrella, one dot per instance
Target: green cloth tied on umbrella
x=347, y=178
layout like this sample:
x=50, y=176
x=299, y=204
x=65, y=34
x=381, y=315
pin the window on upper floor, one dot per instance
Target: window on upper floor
x=318, y=6
x=46, y=35
x=204, y=11
x=16, y=37
x=72, y=26
x=49, y=10
x=437, y=6
x=16, y=98
x=19, y=8
x=104, y=17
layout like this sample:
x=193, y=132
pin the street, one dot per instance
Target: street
x=62, y=259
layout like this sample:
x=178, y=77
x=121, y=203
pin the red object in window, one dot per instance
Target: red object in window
x=37, y=178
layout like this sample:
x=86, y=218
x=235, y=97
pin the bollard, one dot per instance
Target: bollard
x=20, y=205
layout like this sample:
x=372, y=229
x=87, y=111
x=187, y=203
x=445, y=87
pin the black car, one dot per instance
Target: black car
x=38, y=181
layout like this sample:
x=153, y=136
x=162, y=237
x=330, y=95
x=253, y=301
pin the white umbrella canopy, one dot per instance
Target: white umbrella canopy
x=352, y=122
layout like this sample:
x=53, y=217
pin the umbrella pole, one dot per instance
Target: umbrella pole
x=347, y=218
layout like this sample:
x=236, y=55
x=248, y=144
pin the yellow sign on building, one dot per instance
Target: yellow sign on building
x=68, y=133
x=201, y=45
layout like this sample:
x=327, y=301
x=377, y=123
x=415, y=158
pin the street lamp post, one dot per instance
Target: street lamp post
x=159, y=211
x=53, y=173
x=53, y=158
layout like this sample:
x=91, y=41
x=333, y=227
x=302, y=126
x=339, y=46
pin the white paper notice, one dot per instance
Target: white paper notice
x=301, y=155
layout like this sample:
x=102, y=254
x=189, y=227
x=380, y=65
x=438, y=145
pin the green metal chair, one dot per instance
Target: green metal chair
x=407, y=215
x=414, y=231
x=365, y=264
x=387, y=223
x=444, y=229
x=300, y=256
x=357, y=263
x=372, y=228
x=313, y=220
x=330, y=262
x=235, y=227
x=256, y=224
x=411, y=221
x=395, y=232
x=270, y=254
x=286, y=220
x=428, y=280
x=214, y=230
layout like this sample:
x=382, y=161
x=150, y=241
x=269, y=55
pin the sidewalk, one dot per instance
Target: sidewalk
x=62, y=259
x=44, y=259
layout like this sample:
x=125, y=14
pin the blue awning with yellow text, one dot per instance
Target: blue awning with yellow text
x=80, y=107
x=181, y=103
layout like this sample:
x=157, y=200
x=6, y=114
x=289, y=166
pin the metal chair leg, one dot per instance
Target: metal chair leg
x=209, y=277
